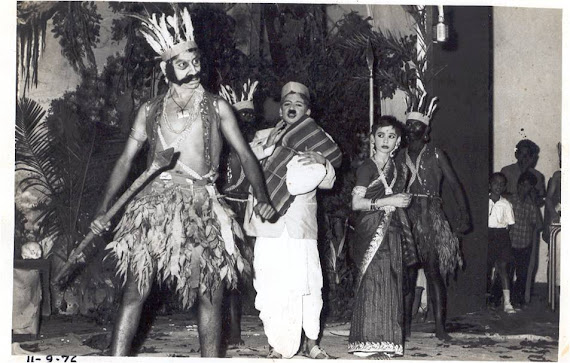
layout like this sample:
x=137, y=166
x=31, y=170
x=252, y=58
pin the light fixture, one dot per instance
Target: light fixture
x=440, y=30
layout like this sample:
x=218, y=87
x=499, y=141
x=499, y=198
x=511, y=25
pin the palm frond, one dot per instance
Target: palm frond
x=33, y=147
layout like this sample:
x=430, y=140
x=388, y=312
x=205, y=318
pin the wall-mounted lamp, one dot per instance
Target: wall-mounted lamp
x=440, y=30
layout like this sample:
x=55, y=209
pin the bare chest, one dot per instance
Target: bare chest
x=425, y=172
x=182, y=129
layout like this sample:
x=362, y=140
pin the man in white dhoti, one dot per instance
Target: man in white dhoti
x=288, y=276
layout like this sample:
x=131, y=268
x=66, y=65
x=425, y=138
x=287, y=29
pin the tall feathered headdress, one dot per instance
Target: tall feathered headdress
x=168, y=35
x=246, y=99
x=421, y=110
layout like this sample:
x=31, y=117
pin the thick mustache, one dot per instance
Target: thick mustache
x=189, y=78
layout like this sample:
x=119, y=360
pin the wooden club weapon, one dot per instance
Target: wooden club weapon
x=161, y=161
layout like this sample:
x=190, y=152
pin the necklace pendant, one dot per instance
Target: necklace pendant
x=182, y=113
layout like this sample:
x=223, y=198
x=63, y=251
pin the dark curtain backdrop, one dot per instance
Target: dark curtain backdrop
x=462, y=127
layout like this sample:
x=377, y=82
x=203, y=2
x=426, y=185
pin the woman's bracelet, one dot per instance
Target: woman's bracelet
x=373, y=205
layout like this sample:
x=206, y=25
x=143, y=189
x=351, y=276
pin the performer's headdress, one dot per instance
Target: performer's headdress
x=421, y=111
x=169, y=35
x=246, y=99
x=295, y=87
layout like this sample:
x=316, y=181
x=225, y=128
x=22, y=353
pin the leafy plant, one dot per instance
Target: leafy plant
x=64, y=161
x=75, y=23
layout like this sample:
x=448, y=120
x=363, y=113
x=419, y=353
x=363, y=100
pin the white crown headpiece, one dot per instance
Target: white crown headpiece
x=169, y=35
x=295, y=87
x=422, y=111
x=246, y=99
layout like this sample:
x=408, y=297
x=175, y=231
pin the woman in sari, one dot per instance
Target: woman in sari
x=381, y=244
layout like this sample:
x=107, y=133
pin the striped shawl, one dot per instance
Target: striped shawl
x=304, y=135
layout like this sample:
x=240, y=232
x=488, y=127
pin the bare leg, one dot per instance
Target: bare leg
x=505, y=281
x=210, y=322
x=411, y=275
x=503, y=275
x=129, y=315
x=438, y=297
x=235, y=318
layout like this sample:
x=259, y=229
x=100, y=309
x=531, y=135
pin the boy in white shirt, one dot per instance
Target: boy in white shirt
x=501, y=218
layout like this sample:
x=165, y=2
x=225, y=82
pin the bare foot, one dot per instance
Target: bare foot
x=379, y=356
x=442, y=335
x=235, y=343
x=273, y=354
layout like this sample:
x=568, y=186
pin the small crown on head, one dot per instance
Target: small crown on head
x=422, y=111
x=246, y=99
x=168, y=35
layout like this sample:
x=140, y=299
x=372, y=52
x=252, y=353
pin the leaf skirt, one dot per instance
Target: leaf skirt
x=176, y=231
x=433, y=235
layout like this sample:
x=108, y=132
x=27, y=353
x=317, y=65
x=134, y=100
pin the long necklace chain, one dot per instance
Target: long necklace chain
x=180, y=107
x=195, y=111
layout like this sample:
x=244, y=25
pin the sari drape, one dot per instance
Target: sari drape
x=382, y=244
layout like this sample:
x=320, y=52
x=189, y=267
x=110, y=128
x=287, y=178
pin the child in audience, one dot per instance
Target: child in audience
x=501, y=218
x=524, y=232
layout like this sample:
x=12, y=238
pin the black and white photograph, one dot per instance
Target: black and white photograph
x=284, y=180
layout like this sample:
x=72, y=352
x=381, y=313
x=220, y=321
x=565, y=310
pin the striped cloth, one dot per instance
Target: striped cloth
x=303, y=135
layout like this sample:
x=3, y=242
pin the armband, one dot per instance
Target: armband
x=359, y=190
x=138, y=136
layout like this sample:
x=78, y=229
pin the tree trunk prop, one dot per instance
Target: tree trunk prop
x=163, y=159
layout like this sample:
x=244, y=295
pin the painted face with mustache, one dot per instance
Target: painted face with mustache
x=293, y=107
x=185, y=69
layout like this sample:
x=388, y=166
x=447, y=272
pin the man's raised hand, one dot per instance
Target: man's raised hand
x=264, y=210
x=98, y=227
x=311, y=157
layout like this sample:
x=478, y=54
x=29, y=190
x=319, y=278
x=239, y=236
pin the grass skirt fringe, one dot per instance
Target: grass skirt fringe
x=432, y=234
x=173, y=229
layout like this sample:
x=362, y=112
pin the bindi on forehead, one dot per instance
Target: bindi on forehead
x=387, y=129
